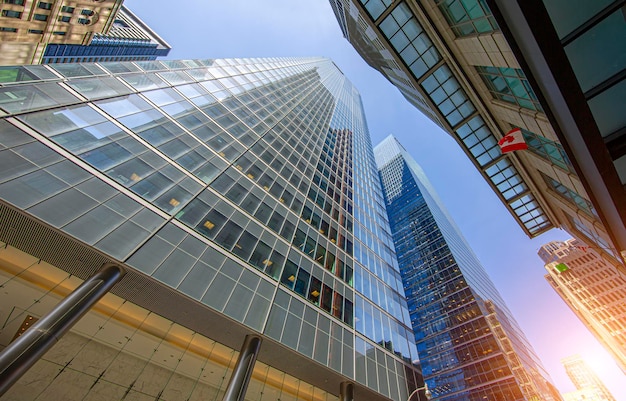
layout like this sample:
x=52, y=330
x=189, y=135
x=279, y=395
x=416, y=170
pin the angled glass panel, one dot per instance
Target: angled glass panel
x=22, y=98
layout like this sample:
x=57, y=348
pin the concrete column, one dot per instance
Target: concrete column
x=346, y=391
x=22, y=353
x=236, y=390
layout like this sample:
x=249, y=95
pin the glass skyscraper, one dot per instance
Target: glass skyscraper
x=469, y=345
x=240, y=195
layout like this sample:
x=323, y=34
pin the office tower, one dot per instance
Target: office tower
x=129, y=39
x=27, y=27
x=469, y=345
x=240, y=196
x=453, y=61
x=584, y=378
x=593, y=289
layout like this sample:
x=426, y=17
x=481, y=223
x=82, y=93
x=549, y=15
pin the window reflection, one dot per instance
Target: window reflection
x=468, y=17
x=409, y=39
x=571, y=196
x=510, y=85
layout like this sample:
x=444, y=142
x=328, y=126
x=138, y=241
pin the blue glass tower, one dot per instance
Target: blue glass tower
x=469, y=345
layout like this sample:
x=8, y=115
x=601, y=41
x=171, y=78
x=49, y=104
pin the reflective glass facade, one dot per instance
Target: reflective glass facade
x=573, y=56
x=246, y=185
x=571, y=196
x=469, y=345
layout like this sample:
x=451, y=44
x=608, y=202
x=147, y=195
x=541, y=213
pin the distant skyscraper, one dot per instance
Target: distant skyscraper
x=593, y=289
x=241, y=196
x=585, y=379
x=129, y=39
x=587, y=394
x=475, y=76
x=469, y=345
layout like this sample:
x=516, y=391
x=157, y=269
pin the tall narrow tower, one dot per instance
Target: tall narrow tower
x=584, y=378
x=469, y=345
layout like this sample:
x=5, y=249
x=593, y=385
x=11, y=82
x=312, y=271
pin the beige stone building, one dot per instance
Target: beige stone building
x=593, y=289
x=27, y=26
x=452, y=60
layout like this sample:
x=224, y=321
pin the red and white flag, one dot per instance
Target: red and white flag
x=513, y=140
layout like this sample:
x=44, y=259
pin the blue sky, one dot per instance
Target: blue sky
x=275, y=28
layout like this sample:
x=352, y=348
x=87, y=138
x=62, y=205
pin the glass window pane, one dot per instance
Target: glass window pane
x=93, y=88
x=567, y=15
x=594, y=64
x=608, y=109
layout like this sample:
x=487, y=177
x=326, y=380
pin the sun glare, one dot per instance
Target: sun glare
x=599, y=361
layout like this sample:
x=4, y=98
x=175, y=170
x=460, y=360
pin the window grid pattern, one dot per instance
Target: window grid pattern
x=373, y=258
x=548, y=150
x=381, y=282
x=206, y=275
x=40, y=181
x=298, y=274
x=451, y=100
x=503, y=175
x=281, y=145
x=408, y=38
x=593, y=237
x=509, y=85
x=183, y=148
x=90, y=136
x=376, y=7
x=261, y=165
x=445, y=286
x=468, y=17
x=100, y=52
x=570, y=196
